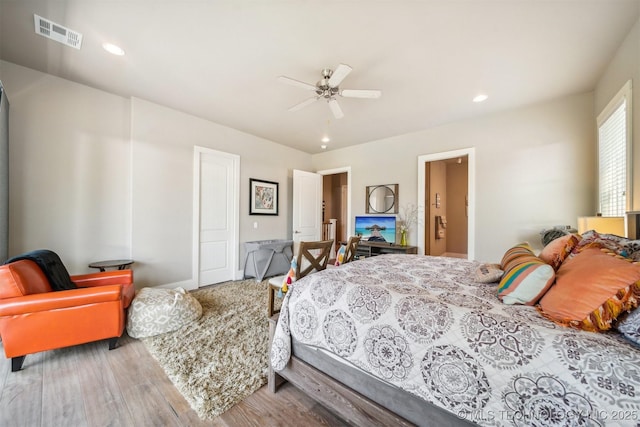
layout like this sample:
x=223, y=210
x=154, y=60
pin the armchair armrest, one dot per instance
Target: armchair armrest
x=59, y=300
x=118, y=277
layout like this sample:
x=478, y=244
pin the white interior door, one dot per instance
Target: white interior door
x=217, y=198
x=307, y=207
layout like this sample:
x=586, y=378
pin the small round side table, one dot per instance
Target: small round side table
x=119, y=264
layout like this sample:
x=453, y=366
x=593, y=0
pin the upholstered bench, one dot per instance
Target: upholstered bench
x=157, y=311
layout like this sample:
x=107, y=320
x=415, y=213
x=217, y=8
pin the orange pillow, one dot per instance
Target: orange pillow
x=559, y=249
x=592, y=289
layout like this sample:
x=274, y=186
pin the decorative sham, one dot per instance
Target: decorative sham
x=559, y=249
x=592, y=289
x=489, y=273
x=617, y=244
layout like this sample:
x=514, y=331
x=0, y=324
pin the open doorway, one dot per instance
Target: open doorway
x=336, y=204
x=445, y=217
x=446, y=192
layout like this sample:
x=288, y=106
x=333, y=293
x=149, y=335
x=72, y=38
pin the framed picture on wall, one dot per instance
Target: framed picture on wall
x=263, y=197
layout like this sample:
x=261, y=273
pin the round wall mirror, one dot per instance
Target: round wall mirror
x=382, y=199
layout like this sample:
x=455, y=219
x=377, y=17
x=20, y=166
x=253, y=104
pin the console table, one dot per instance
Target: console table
x=366, y=249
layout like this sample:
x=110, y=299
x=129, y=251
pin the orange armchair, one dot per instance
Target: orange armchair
x=34, y=318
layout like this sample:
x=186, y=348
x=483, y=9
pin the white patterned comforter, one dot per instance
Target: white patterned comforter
x=422, y=324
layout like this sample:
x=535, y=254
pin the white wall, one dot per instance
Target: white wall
x=97, y=176
x=69, y=168
x=162, y=156
x=624, y=66
x=534, y=169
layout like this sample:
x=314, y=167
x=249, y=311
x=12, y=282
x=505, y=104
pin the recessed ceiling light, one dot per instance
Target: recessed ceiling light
x=325, y=139
x=112, y=48
x=481, y=97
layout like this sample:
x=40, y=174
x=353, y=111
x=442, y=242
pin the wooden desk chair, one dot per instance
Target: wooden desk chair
x=348, y=251
x=351, y=249
x=312, y=257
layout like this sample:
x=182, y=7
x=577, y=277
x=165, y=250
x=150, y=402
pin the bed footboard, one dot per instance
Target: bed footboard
x=343, y=401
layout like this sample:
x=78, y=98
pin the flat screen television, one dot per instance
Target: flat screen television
x=376, y=228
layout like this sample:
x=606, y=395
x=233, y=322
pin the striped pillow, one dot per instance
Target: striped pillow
x=526, y=277
x=513, y=254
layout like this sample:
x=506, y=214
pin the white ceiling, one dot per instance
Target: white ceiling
x=220, y=59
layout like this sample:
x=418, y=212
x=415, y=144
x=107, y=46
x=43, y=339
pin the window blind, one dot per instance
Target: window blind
x=612, y=162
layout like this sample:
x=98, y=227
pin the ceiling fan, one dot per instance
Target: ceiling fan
x=328, y=88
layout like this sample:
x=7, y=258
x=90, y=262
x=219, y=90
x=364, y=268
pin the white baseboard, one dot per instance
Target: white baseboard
x=189, y=285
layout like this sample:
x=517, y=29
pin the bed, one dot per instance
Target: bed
x=417, y=338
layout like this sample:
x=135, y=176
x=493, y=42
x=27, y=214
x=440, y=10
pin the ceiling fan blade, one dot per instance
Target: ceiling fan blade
x=298, y=83
x=339, y=74
x=304, y=103
x=361, y=93
x=335, y=109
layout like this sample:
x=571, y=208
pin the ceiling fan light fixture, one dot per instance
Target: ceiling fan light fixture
x=328, y=88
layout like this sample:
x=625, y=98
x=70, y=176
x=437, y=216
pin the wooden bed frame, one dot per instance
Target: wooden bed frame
x=348, y=404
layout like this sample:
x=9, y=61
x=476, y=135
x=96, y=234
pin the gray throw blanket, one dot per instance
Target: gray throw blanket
x=52, y=267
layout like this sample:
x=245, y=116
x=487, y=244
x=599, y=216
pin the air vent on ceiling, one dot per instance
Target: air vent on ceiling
x=57, y=32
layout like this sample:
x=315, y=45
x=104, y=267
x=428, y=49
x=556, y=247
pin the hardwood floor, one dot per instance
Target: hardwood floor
x=88, y=385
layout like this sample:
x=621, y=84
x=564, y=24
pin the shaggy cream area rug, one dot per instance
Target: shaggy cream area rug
x=220, y=359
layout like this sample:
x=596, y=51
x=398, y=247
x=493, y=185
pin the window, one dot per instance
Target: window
x=614, y=152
